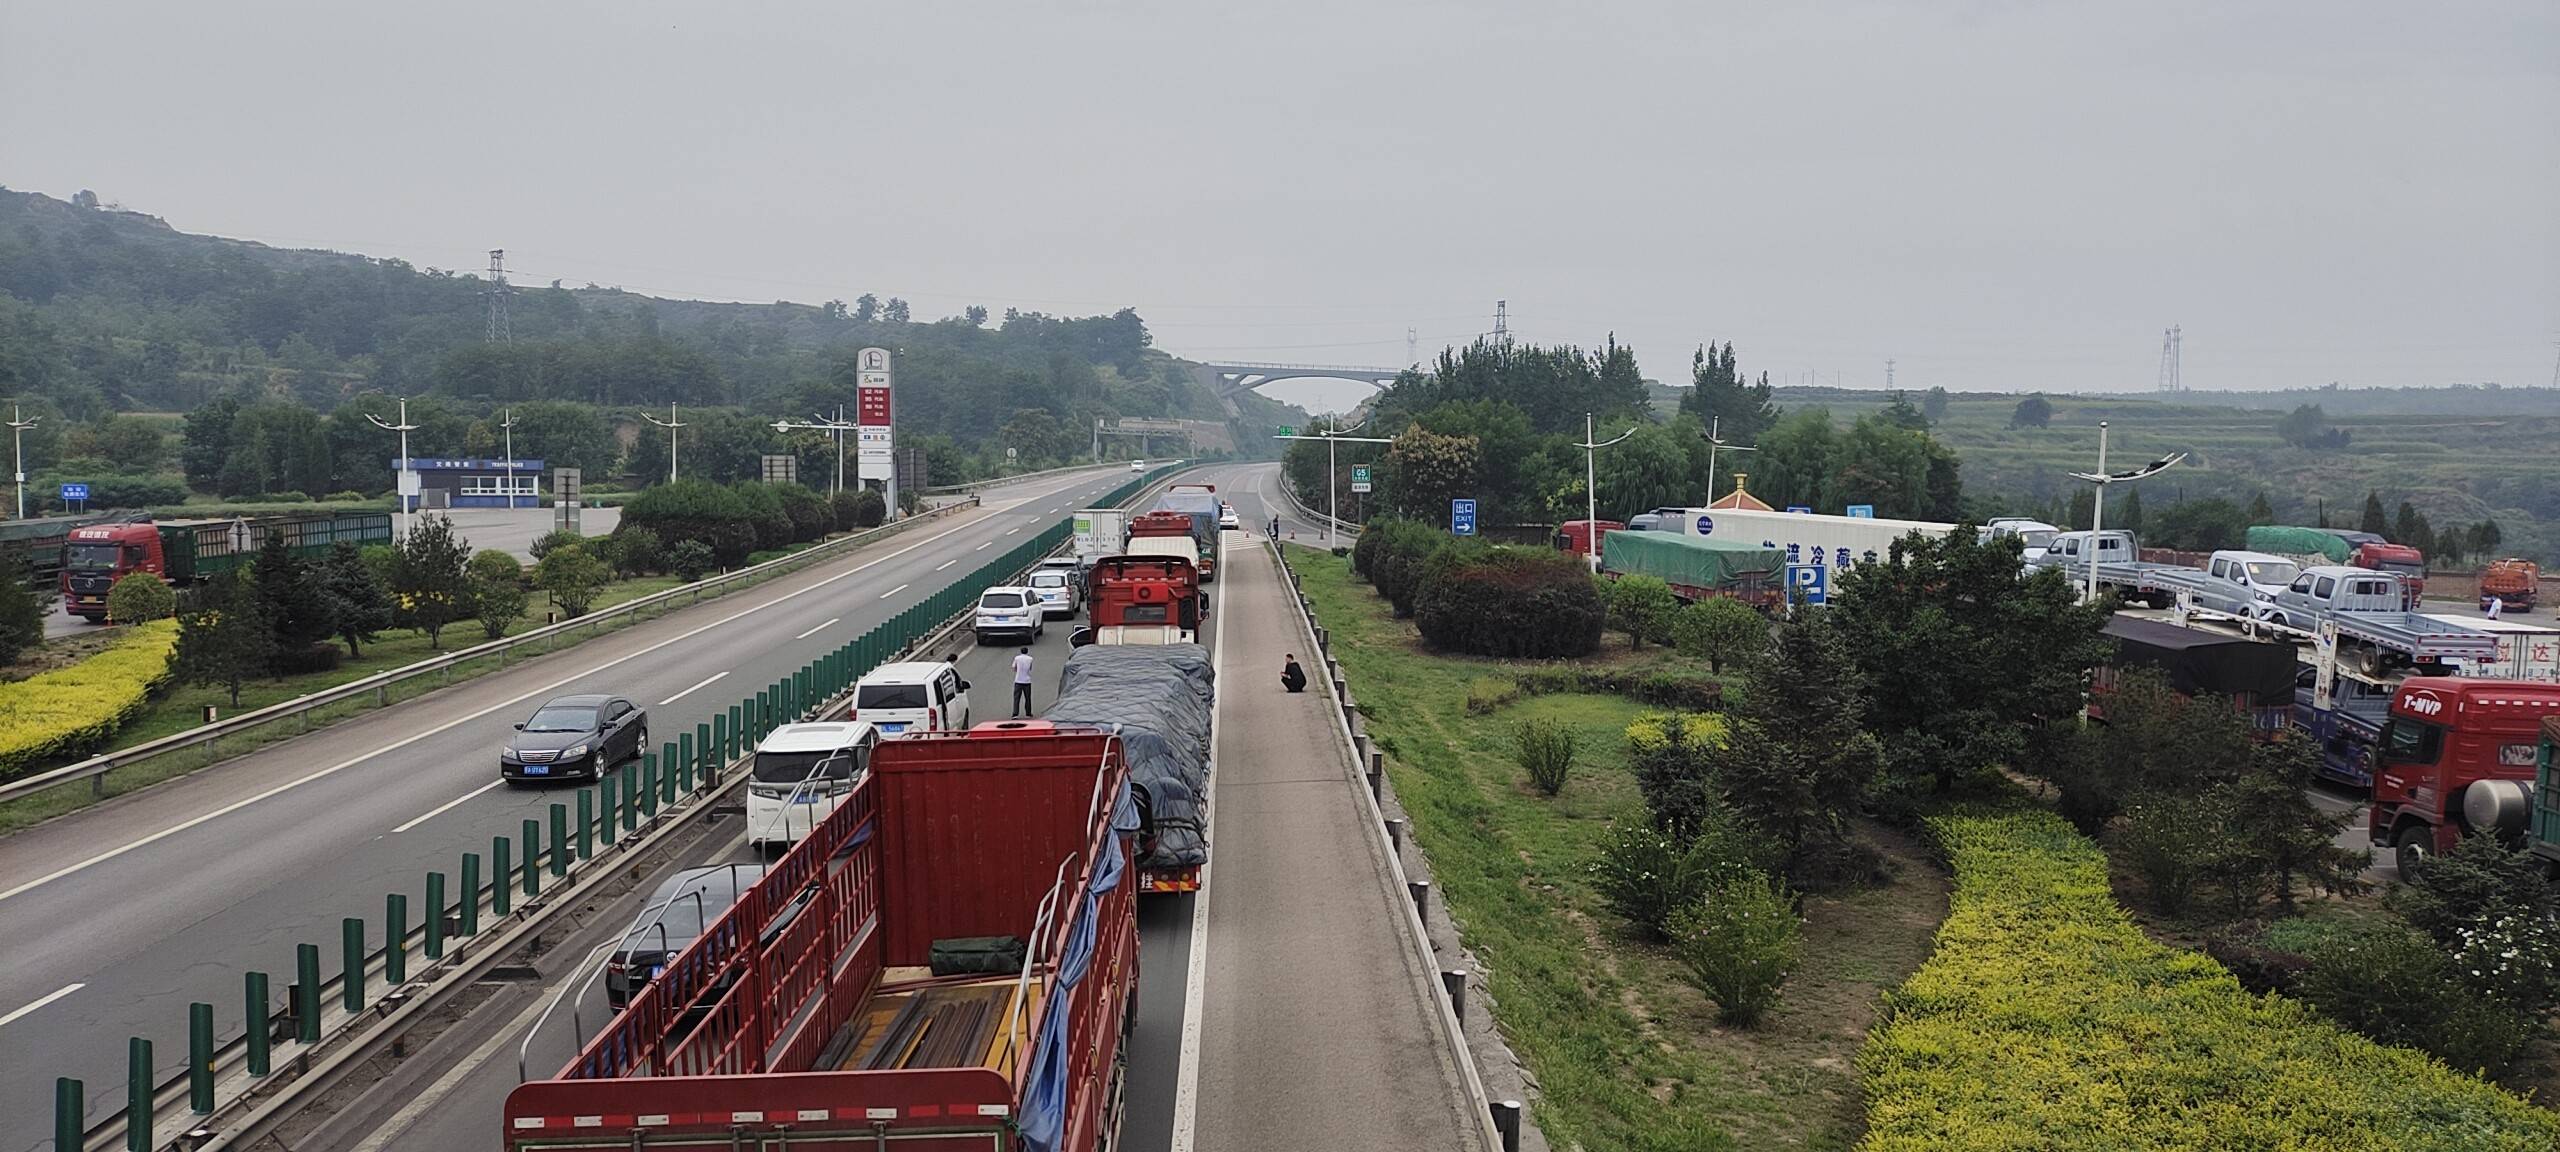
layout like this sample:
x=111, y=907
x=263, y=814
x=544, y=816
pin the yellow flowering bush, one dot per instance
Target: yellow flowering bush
x=72, y=710
x=2047, y=1020
x=1646, y=734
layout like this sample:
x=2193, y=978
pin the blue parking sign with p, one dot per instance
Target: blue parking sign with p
x=1812, y=582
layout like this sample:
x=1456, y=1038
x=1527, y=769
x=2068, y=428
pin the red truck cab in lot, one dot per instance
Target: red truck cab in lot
x=1580, y=536
x=819, y=1014
x=2456, y=756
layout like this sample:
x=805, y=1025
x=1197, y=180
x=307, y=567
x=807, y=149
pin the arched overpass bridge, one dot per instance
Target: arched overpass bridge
x=1235, y=377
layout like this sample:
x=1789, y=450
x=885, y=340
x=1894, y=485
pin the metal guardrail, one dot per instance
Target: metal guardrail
x=260, y=1079
x=1290, y=493
x=992, y=481
x=380, y=684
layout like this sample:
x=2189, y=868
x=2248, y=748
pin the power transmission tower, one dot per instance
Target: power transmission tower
x=1412, y=348
x=1888, y=374
x=498, y=333
x=2170, y=338
x=1501, y=321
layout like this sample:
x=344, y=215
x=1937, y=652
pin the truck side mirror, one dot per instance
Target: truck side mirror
x=1191, y=615
x=1080, y=637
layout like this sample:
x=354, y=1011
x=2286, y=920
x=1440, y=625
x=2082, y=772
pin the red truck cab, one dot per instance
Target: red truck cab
x=2454, y=758
x=1582, y=537
x=819, y=1012
x=94, y=558
x=1147, y=600
x=2398, y=559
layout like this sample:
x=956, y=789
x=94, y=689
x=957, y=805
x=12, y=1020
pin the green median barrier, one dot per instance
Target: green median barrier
x=137, y=1094
x=470, y=901
x=306, y=994
x=559, y=840
x=587, y=823
x=648, y=784
x=395, y=939
x=700, y=768
x=684, y=754
x=501, y=869
x=607, y=808
x=351, y=961
x=435, y=919
x=200, y=1058
x=256, y=1010
x=533, y=858
x=729, y=730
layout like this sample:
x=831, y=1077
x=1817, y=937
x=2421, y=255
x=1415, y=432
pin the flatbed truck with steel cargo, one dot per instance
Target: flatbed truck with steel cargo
x=870, y=1019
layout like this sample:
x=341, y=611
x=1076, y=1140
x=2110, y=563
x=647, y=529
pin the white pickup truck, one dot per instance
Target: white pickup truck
x=2233, y=583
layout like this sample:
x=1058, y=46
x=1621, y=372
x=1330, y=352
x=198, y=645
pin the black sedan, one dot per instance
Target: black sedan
x=575, y=736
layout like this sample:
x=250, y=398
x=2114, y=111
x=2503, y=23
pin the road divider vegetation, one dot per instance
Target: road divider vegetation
x=2047, y=1019
x=71, y=710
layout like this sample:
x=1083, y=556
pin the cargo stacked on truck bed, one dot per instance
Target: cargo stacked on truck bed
x=865, y=994
x=2257, y=676
x=1200, y=503
x=1697, y=567
x=1160, y=700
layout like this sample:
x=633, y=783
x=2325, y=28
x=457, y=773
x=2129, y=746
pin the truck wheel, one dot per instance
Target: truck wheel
x=2373, y=660
x=2411, y=848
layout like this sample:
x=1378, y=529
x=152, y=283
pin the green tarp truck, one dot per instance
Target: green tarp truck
x=1697, y=567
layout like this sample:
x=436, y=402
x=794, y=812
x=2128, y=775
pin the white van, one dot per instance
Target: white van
x=802, y=772
x=918, y=696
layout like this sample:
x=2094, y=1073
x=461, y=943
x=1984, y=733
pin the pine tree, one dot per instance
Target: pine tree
x=1798, y=760
x=358, y=603
x=2373, y=519
x=2405, y=527
x=287, y=597
x=224, y=638
x=2260, y=512
x=1735, y=410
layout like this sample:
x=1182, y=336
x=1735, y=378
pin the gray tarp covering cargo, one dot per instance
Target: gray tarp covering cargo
x=1696, y=561
x=1202, y=507
x=1157, y=697
x=2285, y=541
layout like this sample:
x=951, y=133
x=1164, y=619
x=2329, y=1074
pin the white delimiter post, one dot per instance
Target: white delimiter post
x=1332, y=504
x=2097, y=512
x=1591, y=495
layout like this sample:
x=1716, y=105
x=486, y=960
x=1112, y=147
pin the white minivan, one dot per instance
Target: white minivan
x=914, y=696
x=803, y=772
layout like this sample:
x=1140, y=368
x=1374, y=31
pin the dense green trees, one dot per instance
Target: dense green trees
x=1904, y=472
x=1722, y=401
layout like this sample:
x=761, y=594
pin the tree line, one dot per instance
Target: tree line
x=1502, y=423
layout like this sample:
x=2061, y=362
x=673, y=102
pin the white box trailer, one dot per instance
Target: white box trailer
x=2527, y=650
x=1834, y=541
x=1101, y=531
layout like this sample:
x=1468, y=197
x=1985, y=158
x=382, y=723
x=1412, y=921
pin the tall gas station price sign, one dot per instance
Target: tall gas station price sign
x=875, y=457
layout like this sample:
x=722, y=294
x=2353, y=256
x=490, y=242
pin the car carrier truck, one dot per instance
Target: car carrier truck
x=949, y=961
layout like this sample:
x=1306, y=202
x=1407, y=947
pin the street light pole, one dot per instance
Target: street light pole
x=402, y=480
x=1591, y=491
x=507, y=423
x=670, y=424
x=2098, y=502
x=18, y=426
x=1715, y=440
x=836, y=426
x=1332, y=502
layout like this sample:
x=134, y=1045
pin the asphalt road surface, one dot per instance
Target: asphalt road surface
x=113, y=919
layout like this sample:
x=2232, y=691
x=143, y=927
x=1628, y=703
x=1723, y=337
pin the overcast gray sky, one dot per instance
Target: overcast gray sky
x=1997, y=195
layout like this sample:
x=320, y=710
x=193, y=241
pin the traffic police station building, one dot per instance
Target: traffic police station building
x=475, y=483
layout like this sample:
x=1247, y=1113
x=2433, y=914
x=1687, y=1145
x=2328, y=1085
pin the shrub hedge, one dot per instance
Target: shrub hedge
x=695, y=510
x=2046, y=1019
x=71, y=710
x=1508, y=602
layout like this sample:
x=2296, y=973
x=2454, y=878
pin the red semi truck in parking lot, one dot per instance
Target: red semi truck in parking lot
x=948, y=962
x=2456, y=756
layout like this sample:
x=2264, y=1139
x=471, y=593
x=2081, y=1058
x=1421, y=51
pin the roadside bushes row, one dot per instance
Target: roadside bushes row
x=72, y=710
x=2046, y=1019
x=738, y=520
x=1488, y=600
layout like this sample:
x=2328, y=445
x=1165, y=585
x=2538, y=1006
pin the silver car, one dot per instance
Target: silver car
x=1058, y=592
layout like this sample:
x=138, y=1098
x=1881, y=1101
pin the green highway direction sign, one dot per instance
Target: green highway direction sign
x=1360, y=478
x=1286, y=430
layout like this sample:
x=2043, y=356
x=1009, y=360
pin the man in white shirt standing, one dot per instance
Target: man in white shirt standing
x=1022, y=683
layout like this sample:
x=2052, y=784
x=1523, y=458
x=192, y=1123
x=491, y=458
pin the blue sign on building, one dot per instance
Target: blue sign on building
x=1810, y=581
x=72, y=492
x=1462, y=517
x=1801, y=509
x=1706, y=525
x=1863, y=511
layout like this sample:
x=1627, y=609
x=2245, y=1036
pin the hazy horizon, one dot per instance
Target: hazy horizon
x=1998, y=197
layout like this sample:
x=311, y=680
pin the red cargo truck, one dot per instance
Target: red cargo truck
x=1576, y=536
x=2455, y=757
x=1146, y=600
x=831, y=1009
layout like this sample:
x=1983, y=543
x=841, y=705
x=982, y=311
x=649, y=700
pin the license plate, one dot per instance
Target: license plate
x=808, y=799
x=537, y=769
x=893, y=728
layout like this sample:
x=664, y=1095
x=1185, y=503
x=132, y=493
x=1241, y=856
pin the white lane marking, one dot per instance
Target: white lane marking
x=1012, y=530
x=982, y=547
x=448, y=806
x=715, y=676
x=802, y=636
x=289, y=785
x=893, y=591
x=1186, y=1083
x=56, y=994
x=944, y=564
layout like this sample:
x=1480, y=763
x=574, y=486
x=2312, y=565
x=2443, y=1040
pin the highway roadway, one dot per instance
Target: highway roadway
x=1313, y=1017
x=113, y=919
